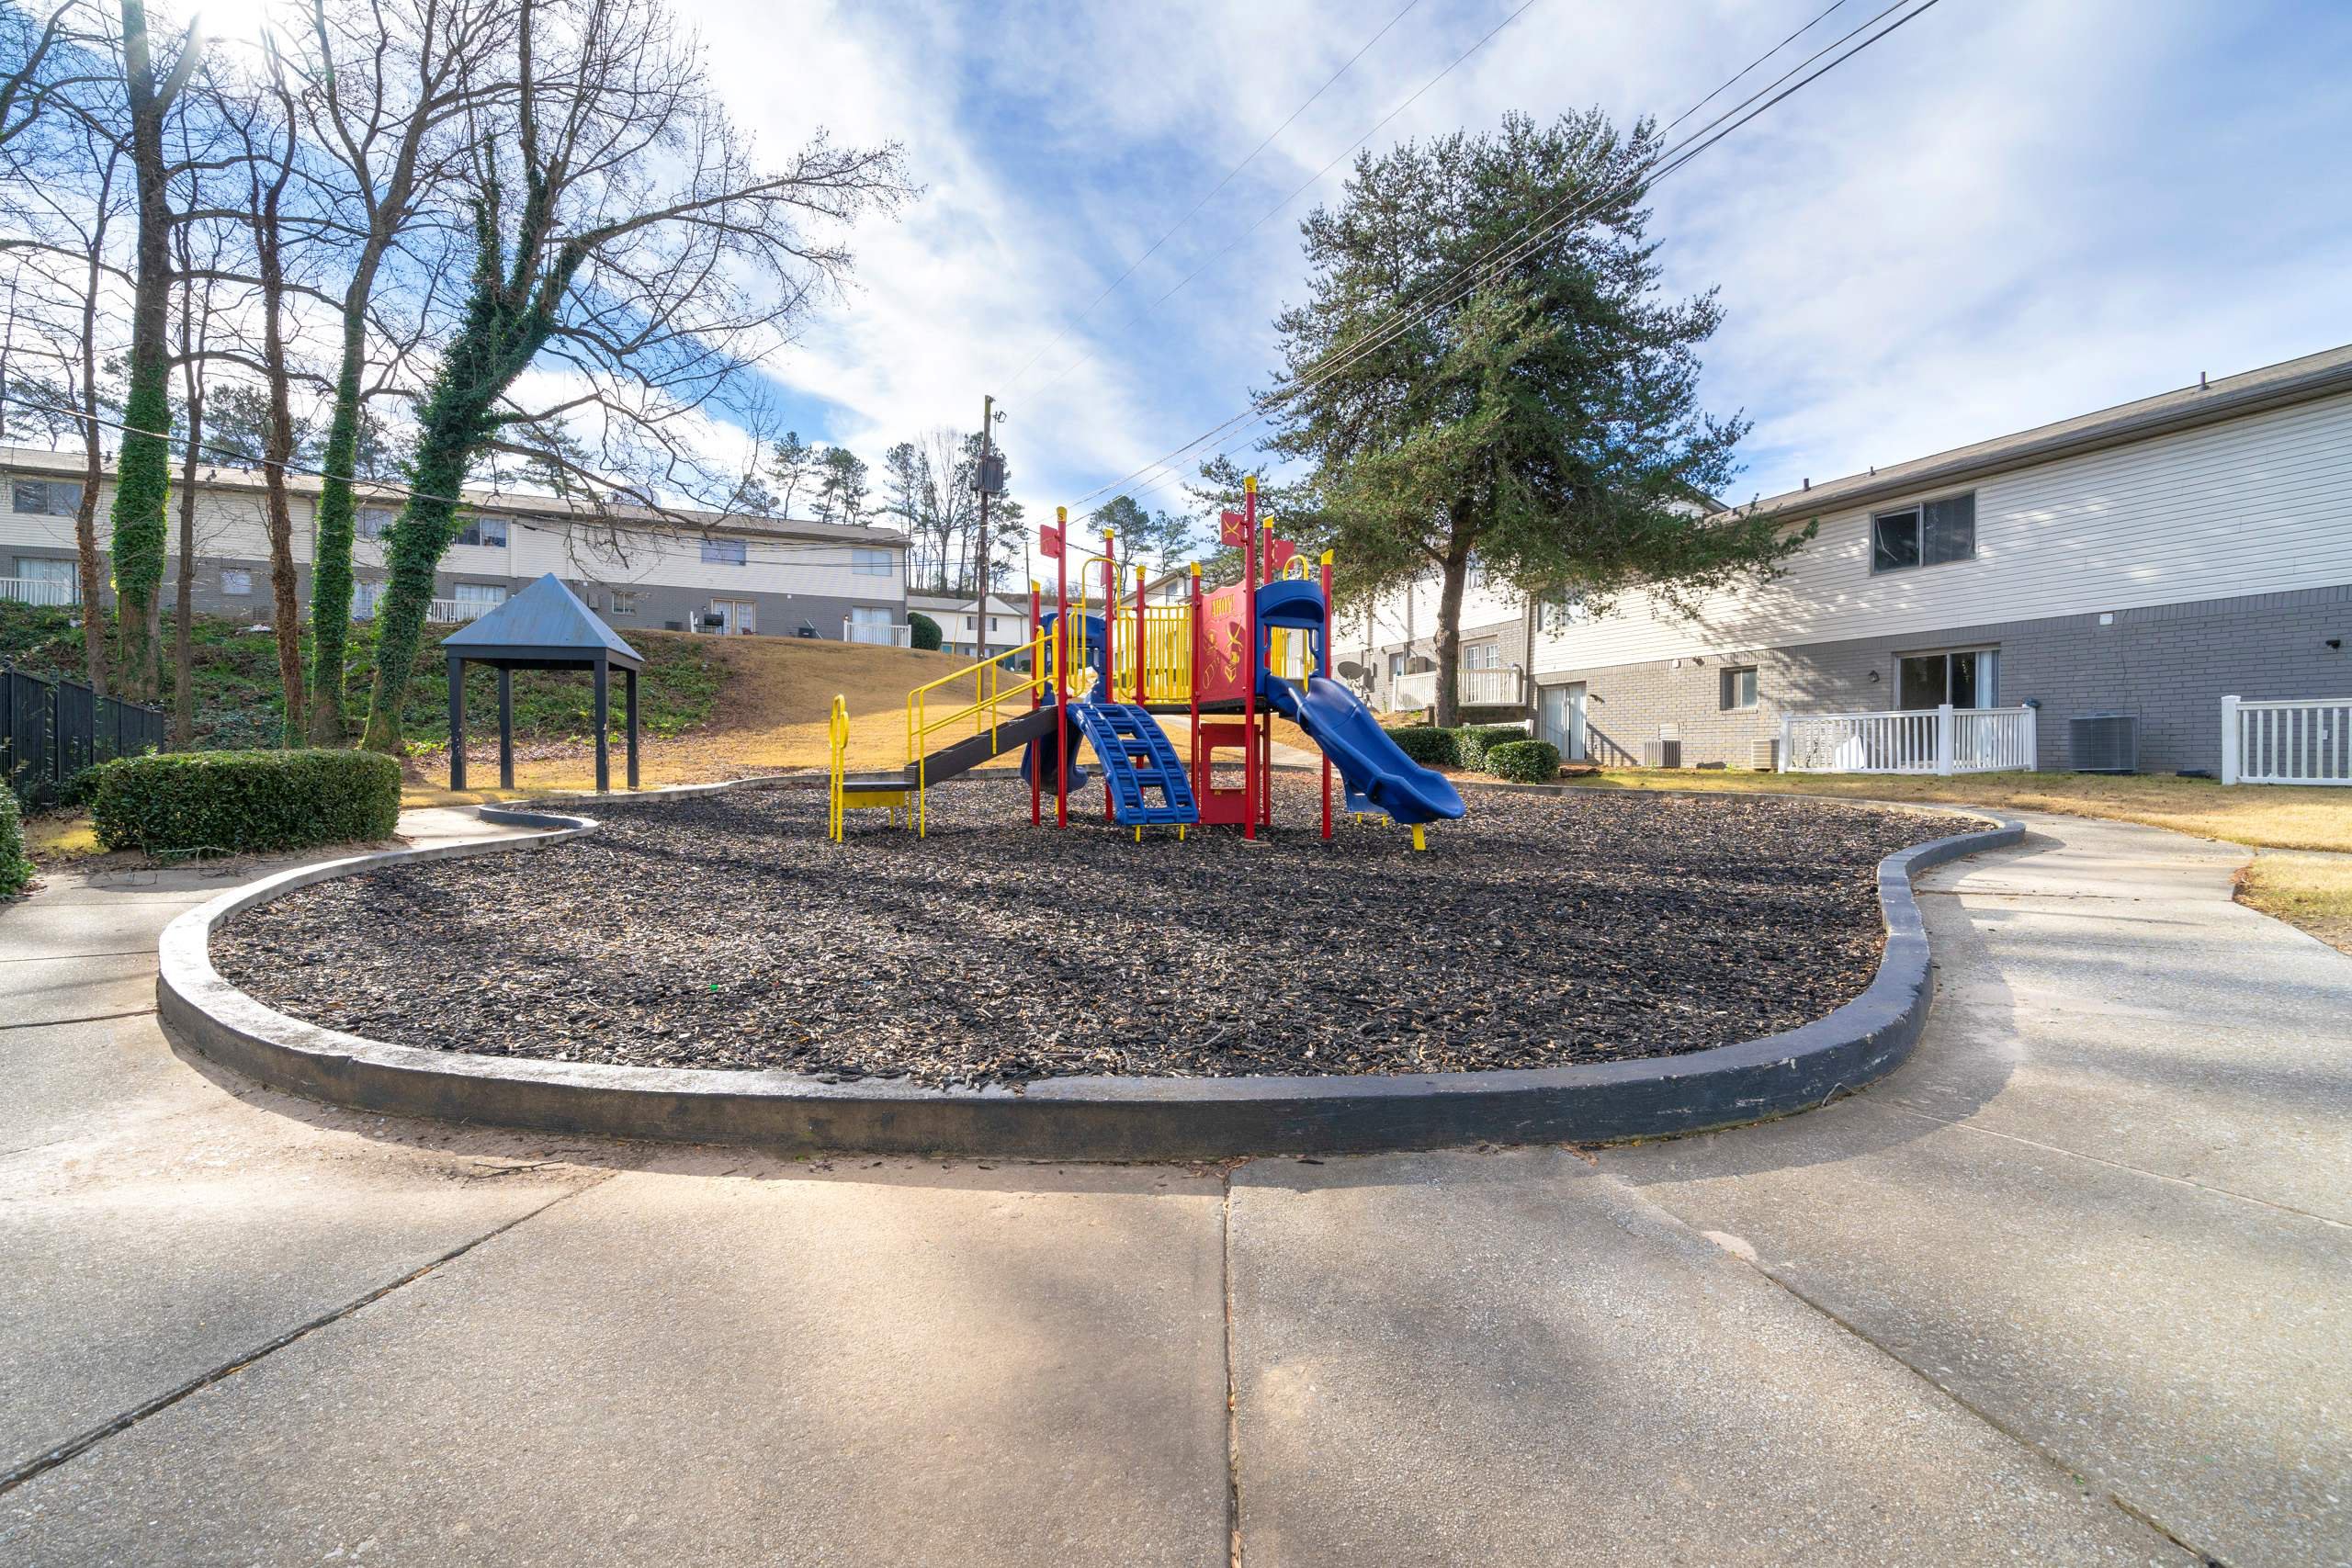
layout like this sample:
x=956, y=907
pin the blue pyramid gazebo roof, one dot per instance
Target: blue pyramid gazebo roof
x=545, y=621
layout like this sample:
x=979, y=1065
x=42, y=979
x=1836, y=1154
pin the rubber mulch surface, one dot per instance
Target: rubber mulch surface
x=723, y=930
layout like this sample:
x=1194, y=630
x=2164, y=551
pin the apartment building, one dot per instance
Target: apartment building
x=701, y=572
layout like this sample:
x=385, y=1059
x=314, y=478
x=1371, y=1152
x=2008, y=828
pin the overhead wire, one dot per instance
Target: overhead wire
x=1668, y=161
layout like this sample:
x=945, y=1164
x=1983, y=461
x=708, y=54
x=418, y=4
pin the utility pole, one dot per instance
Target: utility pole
x=987, y=480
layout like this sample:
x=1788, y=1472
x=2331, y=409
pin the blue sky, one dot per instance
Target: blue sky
x=2010, y=211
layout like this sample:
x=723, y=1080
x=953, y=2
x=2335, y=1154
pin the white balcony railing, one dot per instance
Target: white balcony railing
x=46, y=591
x=881, y=634
x=1471, y=689
x=1938, y=741
x=2305, y=742
x=456, y=611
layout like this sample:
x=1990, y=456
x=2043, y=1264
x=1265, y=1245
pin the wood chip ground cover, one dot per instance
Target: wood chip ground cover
x=723, y=930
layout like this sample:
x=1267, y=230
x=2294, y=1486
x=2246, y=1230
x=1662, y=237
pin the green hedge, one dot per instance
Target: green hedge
x=1477, y=737
x=923, y=632
x=15, y=869
x=245, y=800
x=1429, y=745
x=1524, y=761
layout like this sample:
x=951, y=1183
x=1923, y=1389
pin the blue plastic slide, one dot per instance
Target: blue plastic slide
x=1374, y=765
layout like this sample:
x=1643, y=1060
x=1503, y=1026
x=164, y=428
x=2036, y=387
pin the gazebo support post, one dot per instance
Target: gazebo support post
x=604, y=726
x=505, y=727
x=456, y=721
x=628, y=690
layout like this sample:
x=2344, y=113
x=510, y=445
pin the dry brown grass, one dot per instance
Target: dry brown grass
x=2307, y=890
x=2265, y=816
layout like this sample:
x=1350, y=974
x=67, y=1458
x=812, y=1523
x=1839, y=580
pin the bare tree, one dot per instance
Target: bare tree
x=651, y=255
x=143, y=472
x=387, y=86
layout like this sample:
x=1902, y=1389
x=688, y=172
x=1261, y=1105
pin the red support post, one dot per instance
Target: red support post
x=1061, y=666
x=1250, y=782
x=1327, y=659
x=1200, y=778
x=1036, y=784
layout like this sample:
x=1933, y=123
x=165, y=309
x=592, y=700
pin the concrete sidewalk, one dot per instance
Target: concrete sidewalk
x=2069, y=1288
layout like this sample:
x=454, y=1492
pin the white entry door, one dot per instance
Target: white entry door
x=1562, y=719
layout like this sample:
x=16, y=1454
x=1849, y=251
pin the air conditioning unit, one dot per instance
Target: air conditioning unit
x=1661, y=753
x=2104, y=742
x=1764, y=756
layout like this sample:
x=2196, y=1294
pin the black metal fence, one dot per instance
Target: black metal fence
x=51, y=730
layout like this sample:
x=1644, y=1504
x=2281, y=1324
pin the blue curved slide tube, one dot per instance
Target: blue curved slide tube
x=1374, y=765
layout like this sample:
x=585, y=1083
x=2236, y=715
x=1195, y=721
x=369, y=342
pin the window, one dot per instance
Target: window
x=46, y=497
x=1970, y=678
x=1929, y=535
x=236, y=581
x=1561, y=612
x=482, y=594
x=1739, y=687
x=724, y=552
x=372, y=522
x=1395, y=666
x=868, y=563
x=624, y=602
x=364, y=597
x=43, y=579
x=1482, y=656
x=490, y=530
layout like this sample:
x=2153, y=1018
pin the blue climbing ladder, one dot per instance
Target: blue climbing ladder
x=1138, y=757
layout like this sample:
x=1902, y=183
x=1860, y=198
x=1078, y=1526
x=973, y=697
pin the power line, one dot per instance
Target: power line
x=1304, y=186
x=1666, y=163
x=376, y=487
x=1204, y=200
x=1672, y=157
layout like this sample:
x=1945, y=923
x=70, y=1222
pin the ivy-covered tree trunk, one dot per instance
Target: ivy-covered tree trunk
x=507, y=321
x=331, y=545
x=143, y=471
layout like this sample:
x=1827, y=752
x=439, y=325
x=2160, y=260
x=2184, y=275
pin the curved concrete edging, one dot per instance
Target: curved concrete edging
x=1096, y=1118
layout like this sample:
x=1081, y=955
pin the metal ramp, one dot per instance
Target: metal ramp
x=1137, y=758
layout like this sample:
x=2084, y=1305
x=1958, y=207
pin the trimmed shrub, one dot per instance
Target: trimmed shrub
x=245, y=800
x=1429, y=745
x=923, y=632
x=1477, y=737
x=15, y=869
x=1524, y=761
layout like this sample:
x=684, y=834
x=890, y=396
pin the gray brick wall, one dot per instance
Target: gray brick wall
x=2170, y=664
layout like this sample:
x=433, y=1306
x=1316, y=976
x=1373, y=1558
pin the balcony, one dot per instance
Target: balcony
x=881, y=634
x=1471, y=689
x=456, y=611
x=48, y=592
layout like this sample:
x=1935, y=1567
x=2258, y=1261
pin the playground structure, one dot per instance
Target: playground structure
x=1100, y=671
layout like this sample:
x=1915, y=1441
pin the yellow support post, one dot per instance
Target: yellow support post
x=1420, y=842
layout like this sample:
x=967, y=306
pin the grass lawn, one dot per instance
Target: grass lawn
x=2311, y=891
x=2262, y=816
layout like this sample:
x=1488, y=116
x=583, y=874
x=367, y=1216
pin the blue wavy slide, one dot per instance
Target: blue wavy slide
x=1373, y=764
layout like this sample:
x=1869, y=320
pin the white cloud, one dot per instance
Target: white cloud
x=2006, y=213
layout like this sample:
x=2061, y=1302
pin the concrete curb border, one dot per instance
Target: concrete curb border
x=1095, y=1118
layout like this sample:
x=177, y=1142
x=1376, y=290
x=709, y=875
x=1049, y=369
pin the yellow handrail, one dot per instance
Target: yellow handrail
x=989, y=694
x=837, y=734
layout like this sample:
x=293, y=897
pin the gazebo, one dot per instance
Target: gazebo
x=543, y=628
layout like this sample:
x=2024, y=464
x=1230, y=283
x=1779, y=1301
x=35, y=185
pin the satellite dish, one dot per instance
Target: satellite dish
x=1351, y=671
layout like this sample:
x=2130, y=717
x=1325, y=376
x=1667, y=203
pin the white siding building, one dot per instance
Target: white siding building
x=704, y=572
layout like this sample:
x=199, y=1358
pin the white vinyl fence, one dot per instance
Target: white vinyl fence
x=2305, y=742
x=1938, y=740
x=880, y=634
x=1472, y=688
x=49, y=591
